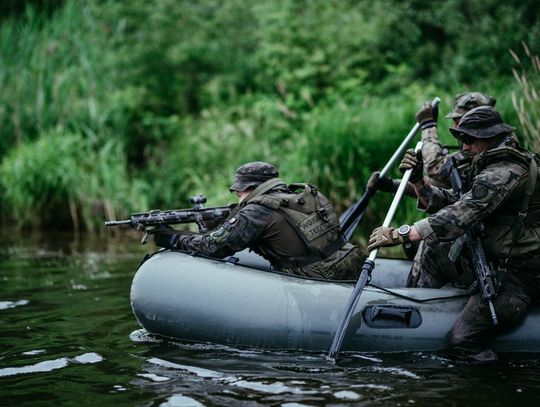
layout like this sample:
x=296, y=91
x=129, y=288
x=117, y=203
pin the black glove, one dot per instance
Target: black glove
x=165, y=238
x=427, y=116
x=413, y=161
x=382, y=184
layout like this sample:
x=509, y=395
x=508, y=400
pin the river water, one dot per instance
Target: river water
x=68, y=337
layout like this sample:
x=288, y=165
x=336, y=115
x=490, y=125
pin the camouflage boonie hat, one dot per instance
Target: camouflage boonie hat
x=252, y=175
x=467, y=101
x=481, y=122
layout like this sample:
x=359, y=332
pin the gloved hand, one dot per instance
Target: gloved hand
x=165, y=238
x=427, y=116
x=383, y=236
x=413, y=161
x=383, y=184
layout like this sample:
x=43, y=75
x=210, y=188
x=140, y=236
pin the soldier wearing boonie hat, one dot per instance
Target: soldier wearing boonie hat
x=483, y=122
x=433, y=153
x=502, y=193
x=294, y=227
x=252, y=174
x=436, y=158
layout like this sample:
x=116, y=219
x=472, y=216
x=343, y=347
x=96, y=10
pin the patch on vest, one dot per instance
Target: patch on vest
x=313, y=226
x=233, y=220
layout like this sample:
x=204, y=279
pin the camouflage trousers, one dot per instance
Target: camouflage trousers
x=473, y=330
x=432, y=268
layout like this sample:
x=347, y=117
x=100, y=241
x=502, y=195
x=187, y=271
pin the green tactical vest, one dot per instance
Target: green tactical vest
x=529, y=161
x=309, y=213
x=511, y=228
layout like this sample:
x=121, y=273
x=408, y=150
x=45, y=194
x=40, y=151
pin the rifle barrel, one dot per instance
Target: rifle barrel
x=117, y=222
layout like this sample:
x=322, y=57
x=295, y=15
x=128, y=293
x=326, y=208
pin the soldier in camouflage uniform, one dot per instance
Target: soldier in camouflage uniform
x=435, y=157
x=433, y=153
x=294, y=227
x=502, y=183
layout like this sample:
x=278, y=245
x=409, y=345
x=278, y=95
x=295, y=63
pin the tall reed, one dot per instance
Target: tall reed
x=526, y=102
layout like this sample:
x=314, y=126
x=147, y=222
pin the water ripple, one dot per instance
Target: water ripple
x=49, y=365
x=178, y=400
x=204, y=373
x=12, y=304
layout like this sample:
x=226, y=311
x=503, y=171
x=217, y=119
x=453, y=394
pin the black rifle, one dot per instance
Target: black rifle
x=485, y=276
x=205, y=218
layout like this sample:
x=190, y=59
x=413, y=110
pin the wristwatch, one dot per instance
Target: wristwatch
x=404, y=231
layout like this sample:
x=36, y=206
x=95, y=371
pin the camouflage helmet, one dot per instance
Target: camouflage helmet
x=252, y=174
x=467, y=101
x=481, y=122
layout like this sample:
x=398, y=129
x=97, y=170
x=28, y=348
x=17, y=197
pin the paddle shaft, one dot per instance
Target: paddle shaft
x=367, y=268
x=351, y=217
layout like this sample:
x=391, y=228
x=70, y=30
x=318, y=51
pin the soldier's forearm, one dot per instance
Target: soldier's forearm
x=422, y=189
x=203, y=244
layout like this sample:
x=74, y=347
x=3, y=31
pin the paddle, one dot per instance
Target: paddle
x=350, y=219
x=367, y=268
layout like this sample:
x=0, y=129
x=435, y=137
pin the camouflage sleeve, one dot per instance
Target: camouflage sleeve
x=435, y=198
x=492, y=187
x=232, y=236
x=432, y=152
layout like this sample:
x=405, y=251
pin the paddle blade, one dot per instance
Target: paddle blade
x=367, y=268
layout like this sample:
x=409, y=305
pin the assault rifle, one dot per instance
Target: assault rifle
x=205, y=218
x=485, y=276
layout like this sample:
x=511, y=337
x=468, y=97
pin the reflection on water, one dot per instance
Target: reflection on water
x=49, y=365
x=68, y=337
x=12, y=304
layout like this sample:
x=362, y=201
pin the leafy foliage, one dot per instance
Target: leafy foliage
x=145, y=103
x=62, y=179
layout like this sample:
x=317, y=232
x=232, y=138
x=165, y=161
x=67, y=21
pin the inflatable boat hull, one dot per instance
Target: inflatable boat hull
x=198, y=299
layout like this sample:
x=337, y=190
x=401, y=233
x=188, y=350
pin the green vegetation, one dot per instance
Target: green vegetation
x=107, y=107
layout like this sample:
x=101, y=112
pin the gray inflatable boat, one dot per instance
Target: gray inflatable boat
x=240, y=302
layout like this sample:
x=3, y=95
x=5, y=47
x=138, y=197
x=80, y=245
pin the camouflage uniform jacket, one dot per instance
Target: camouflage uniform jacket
x=269, y=234
x=435, y=157
x=495, y=190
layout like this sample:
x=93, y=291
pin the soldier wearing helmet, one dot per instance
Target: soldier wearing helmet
x=292, y=226
x=502, y=192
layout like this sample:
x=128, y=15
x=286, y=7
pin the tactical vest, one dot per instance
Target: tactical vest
x=530, y=200
x=521, y=211
x=309, y=213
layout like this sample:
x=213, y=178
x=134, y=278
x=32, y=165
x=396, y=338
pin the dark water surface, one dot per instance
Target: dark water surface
x=68, y=337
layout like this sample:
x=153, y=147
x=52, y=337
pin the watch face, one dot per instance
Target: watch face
x=403, y=230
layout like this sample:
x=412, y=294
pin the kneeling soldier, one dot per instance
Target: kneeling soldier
x=294, y=227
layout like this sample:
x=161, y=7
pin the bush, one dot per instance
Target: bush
x=182, y=92
x=62, y=180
